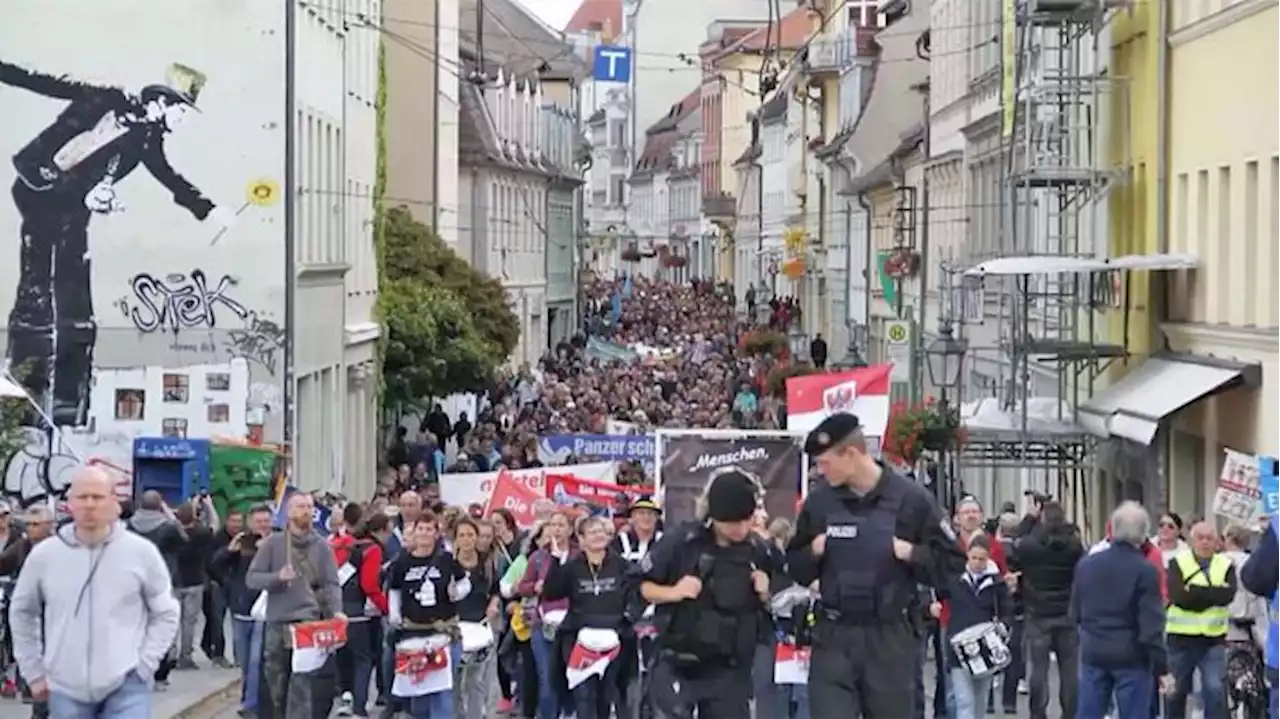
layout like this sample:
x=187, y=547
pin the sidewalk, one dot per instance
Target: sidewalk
x=190, y=692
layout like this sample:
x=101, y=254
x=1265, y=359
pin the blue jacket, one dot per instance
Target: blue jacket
x=1259, y=575
x=1116, y=604
x=974, y=600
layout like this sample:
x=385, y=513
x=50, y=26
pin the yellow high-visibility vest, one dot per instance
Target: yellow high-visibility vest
x=1211, y=622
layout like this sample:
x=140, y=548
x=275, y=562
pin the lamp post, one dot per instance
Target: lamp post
x=853, y=358
x=945, y=355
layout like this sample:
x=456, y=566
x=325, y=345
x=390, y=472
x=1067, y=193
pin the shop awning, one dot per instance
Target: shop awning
x=1158, y=388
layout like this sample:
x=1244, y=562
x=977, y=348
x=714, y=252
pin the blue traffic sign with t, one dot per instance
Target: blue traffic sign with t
x=612, y=64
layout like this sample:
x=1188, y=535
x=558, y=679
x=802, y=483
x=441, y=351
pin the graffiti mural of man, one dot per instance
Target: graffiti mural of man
x=65, y=175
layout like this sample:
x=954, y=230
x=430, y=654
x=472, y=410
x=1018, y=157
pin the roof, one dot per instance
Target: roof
x=602, y=16
x=790, y=34
x=892, y=109
x=515, y=40
x=479, y=143
x=662, y=135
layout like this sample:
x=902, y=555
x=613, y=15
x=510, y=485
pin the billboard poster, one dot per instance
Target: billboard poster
x=688, y=461
x=142, y=244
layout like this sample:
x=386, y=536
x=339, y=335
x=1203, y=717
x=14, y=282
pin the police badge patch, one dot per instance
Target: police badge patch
x=948, y=530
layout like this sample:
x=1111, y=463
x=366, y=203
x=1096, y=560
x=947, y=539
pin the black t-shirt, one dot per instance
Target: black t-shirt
x=423, y=583
x=598, y=596
x=484, y=586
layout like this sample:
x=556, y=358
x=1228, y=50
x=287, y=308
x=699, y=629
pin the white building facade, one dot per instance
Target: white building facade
x=168, y=317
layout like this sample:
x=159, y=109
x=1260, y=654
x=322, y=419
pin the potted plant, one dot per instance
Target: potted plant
x=673, y=261
x=776, y=381
x=901, y=263
x=649, y=251
x=763, y=342
x=631, y=254
x=923, y=427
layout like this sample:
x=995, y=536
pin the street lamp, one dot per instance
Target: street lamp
x=853, y=358
x=945, y=355
x=946, y=358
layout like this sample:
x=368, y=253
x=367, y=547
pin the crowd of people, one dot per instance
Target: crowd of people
x=684, y=369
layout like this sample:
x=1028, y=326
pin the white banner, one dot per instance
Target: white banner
x=463, y=488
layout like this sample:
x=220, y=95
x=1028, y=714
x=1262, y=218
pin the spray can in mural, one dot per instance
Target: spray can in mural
x=141, y=234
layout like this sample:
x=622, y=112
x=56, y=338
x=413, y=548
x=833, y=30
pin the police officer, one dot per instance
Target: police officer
x=870, y=538
x=710, y=583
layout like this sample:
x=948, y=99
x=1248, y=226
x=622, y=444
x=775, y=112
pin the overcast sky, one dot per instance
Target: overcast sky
x=553, y=12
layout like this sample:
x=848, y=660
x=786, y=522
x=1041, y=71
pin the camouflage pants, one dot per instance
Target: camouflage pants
x=291, y=695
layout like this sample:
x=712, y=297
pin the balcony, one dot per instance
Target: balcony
x=719, y=206
x=824, y=57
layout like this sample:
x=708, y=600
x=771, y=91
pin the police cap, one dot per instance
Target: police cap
x=731, y=497
x=833, y=430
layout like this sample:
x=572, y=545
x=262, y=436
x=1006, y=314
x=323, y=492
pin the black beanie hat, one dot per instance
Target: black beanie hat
x=731, y=497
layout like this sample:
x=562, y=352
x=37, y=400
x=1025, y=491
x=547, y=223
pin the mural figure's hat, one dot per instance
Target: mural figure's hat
x=182, y=83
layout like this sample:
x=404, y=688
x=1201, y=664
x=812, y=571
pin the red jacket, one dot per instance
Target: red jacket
x=997, y=556
x=369, y=571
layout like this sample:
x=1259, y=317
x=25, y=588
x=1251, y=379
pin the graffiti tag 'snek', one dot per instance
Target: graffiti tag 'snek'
x=180, y=302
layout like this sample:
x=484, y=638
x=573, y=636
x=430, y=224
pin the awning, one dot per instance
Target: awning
x=1158, y=388
x=1055, y=264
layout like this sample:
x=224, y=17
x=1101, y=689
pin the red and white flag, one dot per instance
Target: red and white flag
x=314, y=642
x=422, y=671
x=585, y=663
x=791, y=664
x=863, y=392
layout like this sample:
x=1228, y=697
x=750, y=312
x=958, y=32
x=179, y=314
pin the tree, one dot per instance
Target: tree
x=448, y=327
x=433, y=348
x=414, y=253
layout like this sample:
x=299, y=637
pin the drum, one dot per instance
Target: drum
x=981, y=649
x=551, y=622
x=477, y=642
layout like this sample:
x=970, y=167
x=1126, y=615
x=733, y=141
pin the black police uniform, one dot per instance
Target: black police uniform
x=706, y=645
x=866, y=645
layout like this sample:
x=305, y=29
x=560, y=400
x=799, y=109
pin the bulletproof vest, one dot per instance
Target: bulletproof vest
x=861, y=580
x=723, y=623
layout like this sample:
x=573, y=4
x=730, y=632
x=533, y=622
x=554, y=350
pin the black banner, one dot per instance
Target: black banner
x=687, y=462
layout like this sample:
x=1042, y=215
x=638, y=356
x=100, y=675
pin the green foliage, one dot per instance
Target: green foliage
x=14, y=415
x=433, y=347
x=414, y=253
x=380, y=191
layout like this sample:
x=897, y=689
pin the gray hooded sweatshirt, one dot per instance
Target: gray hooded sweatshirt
x=299, y=600
x=106, y=610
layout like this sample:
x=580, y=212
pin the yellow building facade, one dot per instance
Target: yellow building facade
x=1223, y=184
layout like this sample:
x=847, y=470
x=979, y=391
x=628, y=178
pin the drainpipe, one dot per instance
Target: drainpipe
x=865, y=203
x=1162, y=155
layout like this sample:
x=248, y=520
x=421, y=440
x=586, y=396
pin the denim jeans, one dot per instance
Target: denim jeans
x=1211, y=661
x=438, y=705
x=191, y=602
x=246, y=644
x=131, y=701
x=970, y=693
x=364, y=642
x=548, y=702
x=1132, y=689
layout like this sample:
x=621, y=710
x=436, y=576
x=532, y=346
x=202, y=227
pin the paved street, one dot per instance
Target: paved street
x=191, y=695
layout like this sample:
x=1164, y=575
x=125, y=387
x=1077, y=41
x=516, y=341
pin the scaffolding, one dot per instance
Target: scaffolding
x=1055, y=177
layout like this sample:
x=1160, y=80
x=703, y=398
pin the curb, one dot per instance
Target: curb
x=210, y=701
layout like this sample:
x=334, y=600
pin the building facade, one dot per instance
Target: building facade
x=171, y=318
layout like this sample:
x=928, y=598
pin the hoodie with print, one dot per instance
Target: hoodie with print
x=106, y=610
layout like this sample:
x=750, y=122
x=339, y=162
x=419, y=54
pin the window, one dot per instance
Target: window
x=217, y=382
x=617, y=190
x=130, y=404
x=176, y=388
x=617, y=133
x=219, y=413
x=176, y=428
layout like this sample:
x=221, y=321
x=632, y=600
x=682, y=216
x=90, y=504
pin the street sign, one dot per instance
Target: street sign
x=611, y=64
x=897, y=345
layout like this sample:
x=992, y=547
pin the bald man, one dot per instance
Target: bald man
x=107, y=607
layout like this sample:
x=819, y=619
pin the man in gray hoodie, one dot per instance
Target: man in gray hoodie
x=105, y=601
x=296, y=569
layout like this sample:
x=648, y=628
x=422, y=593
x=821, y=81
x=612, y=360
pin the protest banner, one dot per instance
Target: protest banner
x=555, y=449
x=461, y=489
x=687, y=461
x=605, y=498
x=1239, y=493
x=514, y=496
